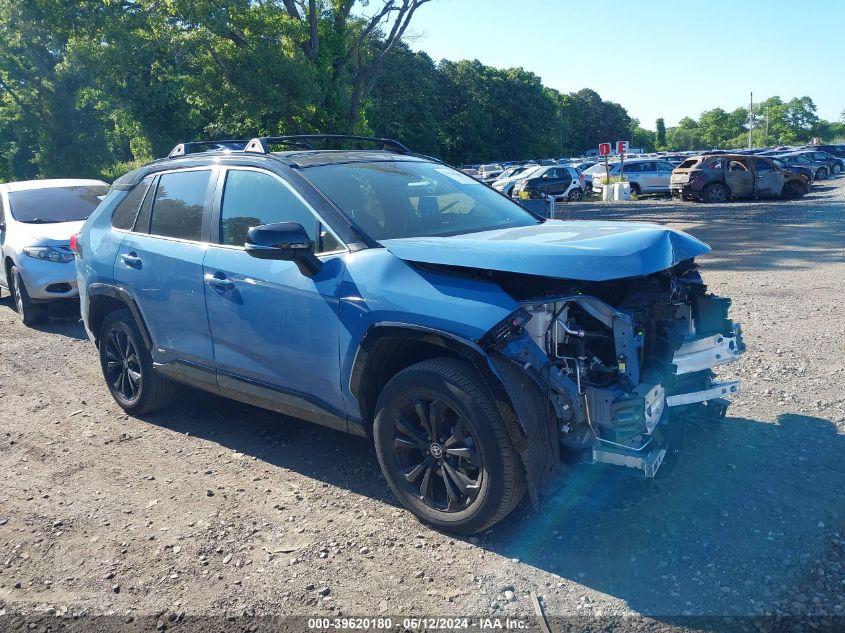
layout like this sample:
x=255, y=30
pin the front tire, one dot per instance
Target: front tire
x=794, y=189
x=128, y=367
x=29, y=312
x=635, y=189
x=444, y=449
x=576, y=195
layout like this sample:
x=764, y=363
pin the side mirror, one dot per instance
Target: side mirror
x=286, y=241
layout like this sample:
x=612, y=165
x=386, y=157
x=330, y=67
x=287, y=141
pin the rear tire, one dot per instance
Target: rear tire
x=836, y=169
x=822, y=173
x=576, y=195
x=715, y=193
x=444, y=449
x=128, y=367
x=29, y=312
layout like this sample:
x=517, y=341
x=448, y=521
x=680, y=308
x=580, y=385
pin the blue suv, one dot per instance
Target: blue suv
x=387, y=295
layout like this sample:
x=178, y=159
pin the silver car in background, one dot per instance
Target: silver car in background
x=508, y=178
x=645, y=176
x=37, y=220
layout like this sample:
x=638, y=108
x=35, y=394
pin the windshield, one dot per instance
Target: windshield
x=55, y=204
x=415, y=199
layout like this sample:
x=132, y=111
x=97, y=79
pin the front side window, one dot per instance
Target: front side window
x=395, y=199
x=252, y=198
x=762, y=165
x=179, y=203
x=56, y=204
x=126, y=212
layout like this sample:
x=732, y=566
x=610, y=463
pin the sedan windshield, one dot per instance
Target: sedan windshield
x=55, y=204
x=415, y=199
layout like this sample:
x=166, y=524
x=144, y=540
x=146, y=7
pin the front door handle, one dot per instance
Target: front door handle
x=219, y=281
x=132, y=260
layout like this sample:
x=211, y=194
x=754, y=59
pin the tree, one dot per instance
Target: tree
x=350, y=50
x=406, y=102
x=660, y=136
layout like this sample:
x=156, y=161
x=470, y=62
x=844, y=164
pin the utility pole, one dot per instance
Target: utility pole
x=751, y=121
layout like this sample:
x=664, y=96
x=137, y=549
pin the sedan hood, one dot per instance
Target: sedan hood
x=588, y=251
x=53, y=233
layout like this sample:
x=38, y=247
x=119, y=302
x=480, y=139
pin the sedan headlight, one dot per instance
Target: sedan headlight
x=48, y=253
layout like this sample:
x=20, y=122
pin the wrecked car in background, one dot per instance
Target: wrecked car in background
x=390, y=296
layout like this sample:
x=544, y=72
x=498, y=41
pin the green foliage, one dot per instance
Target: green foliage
x=660, y=134
x=97, y=87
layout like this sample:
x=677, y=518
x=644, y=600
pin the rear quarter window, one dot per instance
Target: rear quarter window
x=688, y=164
x=127, y=211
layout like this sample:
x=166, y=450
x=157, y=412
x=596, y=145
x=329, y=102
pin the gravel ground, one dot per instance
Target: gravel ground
x=215, y=508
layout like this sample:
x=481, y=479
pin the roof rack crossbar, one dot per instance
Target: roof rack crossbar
x=192, y=147
x=261, y=144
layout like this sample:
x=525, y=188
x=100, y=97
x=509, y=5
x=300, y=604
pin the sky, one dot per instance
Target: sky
x=657, y=58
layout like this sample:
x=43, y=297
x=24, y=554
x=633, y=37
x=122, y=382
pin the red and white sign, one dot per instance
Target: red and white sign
x=622, y=147
x=604, y=149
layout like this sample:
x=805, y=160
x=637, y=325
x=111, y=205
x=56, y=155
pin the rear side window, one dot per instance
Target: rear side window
x=126, y=212
x=634, y=168
x=179, y=203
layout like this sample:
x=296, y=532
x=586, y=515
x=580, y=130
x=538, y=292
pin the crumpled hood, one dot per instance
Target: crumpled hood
x=54, y=233
x=583, y=250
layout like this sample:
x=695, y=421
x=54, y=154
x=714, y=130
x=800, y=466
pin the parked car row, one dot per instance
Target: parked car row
x=384, y=294
x=780, y=172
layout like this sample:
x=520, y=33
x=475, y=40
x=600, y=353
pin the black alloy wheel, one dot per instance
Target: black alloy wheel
x=123, y=365
x=444, y=449
x=437, y=455
x=128, y=366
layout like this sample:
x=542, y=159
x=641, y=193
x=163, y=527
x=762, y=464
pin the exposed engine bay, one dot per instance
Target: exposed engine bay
x=618, y=359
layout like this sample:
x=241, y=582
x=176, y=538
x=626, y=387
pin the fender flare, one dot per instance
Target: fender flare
x=464, y=348
x=125, y=297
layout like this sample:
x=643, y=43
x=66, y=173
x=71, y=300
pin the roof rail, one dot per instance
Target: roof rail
x=194, y=147
x=261, y=145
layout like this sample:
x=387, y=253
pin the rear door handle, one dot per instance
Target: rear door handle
x=132, y=260
x=219, y=281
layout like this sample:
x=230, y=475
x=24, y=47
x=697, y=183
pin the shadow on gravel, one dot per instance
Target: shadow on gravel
x=729, y=532
x=323, y=454
x=740, y=246
x=64, y=319
x=759, y=235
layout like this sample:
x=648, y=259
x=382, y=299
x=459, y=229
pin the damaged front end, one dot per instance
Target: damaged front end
x=616, y=362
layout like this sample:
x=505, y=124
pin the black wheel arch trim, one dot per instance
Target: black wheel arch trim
x=464, y=348
x=125, y=297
